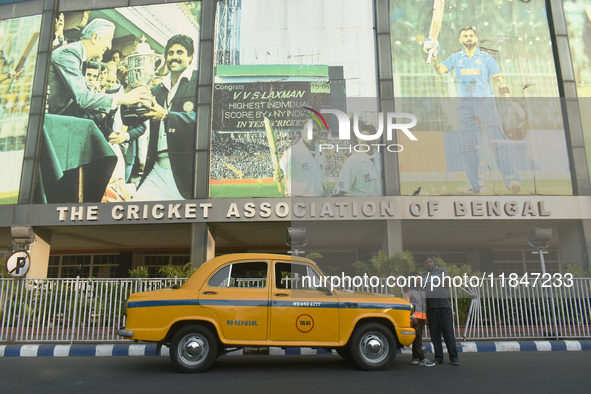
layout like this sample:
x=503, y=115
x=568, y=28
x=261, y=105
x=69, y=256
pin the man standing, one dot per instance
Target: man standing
x=68, y=92
x=168, y=174
x=361, y=174
x=476, y=106
x=418, y=299
x=302, y=165
x=439, y=314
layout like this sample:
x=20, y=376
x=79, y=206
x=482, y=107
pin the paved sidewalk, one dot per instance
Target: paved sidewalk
x=132, y=349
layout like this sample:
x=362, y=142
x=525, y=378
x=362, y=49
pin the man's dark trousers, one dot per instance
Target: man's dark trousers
x=441, y=322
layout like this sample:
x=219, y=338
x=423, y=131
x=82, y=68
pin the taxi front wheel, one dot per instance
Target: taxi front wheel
x=193, y=349
x=373, y=347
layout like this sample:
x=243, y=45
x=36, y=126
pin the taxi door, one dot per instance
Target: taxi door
x=300, y=312
x=238, y=294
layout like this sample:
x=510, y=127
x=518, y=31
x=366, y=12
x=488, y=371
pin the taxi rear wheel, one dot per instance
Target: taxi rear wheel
x=193, y=349
x=373, y=347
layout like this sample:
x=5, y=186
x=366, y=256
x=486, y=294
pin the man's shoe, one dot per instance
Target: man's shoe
x=437, y=362
x=455, y=363
x=426, y=363
x=415, y=361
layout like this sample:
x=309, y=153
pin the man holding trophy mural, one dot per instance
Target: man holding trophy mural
x=68, y=92
x=168, y=173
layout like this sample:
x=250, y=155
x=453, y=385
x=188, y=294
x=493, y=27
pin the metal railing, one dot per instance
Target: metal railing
x=90, y=310
x=67, y=310
x=500, y=309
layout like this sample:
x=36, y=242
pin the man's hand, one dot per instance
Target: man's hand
x=137, y=95
x=430, y=46
x=96, y=86
x=156, y=111
x=278, y=175
x=118, y=137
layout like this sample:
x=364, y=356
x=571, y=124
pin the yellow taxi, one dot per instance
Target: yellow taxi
x=260, y=300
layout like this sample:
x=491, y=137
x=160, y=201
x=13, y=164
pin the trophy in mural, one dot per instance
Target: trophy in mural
x=141, y=70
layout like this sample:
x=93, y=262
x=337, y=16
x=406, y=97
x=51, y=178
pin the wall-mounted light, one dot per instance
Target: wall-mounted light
x=22, y=235
x=296, y=238
x=540, y=239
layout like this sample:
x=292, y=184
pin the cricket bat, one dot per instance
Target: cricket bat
x=438, y=8
x=23, y=58
x=273, y=149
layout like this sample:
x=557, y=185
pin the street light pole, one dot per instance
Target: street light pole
x=541, y=252
x=540, y=239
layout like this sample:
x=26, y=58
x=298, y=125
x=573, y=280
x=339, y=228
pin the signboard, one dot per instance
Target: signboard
x=243, y=106
x=244, y=96
x=18, y=263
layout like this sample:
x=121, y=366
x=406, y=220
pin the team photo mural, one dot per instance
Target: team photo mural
x=491, y=119
x=120, y=119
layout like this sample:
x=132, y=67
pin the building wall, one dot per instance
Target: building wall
x=359, y=57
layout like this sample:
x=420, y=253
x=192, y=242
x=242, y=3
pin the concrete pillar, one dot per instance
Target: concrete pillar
x=39, y=252
x=392, y=241
x=574, y=242
x=586, y=225
x=202, y=244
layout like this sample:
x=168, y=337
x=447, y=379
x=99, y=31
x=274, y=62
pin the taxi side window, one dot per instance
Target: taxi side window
x=244, y=275
x=295, y=276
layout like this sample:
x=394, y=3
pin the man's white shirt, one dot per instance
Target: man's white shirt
x=361, y=175
x=304, y=171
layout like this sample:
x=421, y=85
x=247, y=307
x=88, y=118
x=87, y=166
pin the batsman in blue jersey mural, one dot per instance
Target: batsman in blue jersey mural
x=476, y=107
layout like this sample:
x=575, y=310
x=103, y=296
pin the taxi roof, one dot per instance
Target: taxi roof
x=211, y=265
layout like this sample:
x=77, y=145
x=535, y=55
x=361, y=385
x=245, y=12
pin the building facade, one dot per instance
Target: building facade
x=455, y=164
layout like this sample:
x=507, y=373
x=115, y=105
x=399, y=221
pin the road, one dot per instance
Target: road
x=522, y=372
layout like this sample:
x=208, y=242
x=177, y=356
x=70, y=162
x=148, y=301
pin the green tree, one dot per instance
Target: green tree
x=175, y=271
x=382, y=265
x=3, y=272
x=453, y=269
x=577, y=270
x=326, y=270
x=139, y=272
x=314, y=256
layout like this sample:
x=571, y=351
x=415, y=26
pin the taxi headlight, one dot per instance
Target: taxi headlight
x=412, y=309
x=124, y=309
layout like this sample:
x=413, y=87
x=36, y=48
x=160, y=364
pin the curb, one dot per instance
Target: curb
x=110, y=350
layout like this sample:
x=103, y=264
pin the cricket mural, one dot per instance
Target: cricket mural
x=255, y=122
x=19, y=40
x=271, y=72
x=490, y=121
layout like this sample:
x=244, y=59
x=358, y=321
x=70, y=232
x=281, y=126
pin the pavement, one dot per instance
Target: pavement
x=133, y=349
